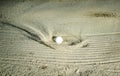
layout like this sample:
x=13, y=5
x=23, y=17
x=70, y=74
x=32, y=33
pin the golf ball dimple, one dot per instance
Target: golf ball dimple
x=58, y=39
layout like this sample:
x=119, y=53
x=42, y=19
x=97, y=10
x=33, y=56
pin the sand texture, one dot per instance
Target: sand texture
x=90, y=30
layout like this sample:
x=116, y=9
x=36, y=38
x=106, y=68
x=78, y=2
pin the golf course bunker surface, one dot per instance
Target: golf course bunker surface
x=60, y=38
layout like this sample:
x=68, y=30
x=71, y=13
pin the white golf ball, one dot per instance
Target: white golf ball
x=58, y=40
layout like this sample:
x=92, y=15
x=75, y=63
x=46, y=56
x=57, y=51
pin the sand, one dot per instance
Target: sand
x=90, y=30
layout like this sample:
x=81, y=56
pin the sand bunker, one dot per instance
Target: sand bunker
x=60, y=38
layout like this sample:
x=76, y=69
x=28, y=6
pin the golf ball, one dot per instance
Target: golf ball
x=58, y=39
